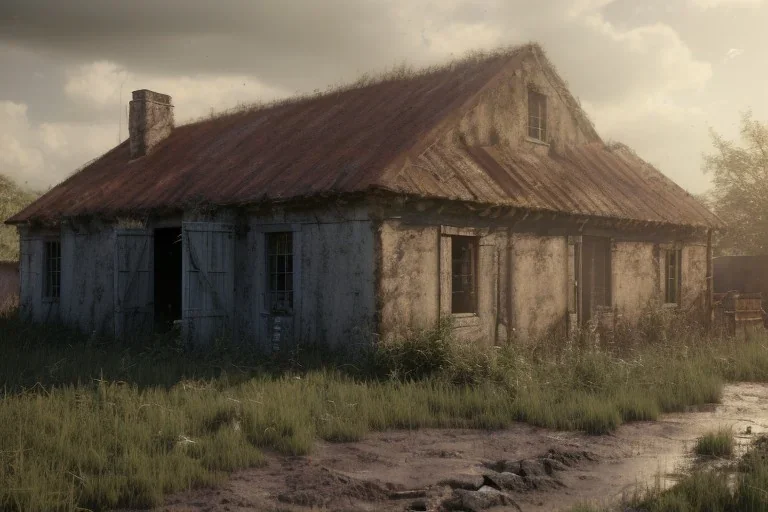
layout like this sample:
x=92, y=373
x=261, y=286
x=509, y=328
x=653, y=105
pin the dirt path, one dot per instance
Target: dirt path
x=424, y=470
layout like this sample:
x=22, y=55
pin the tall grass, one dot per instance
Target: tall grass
x=85, y=423
x=719, y=443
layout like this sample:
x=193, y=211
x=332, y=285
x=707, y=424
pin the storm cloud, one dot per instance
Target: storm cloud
x=654, y=74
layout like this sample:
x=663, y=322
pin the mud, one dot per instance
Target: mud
x=522, y=468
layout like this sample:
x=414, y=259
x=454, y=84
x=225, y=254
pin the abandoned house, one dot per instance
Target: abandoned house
x=478, y=191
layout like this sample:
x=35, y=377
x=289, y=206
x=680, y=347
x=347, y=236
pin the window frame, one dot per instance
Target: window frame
x=270, y=302
x=537, y=101
x=473, y=243
x=673, y=258
x=51, y=289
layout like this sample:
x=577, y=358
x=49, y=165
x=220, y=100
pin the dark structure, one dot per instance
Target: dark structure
x=9, y=283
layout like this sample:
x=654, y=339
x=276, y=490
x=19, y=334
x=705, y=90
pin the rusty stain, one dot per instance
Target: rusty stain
x=372, y=137
x=336, y=143
x=586, y=180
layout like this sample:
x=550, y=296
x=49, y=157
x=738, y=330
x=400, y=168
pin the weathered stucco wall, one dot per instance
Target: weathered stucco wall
x=409, y=276
x=539, y=285
x=501, y=116
x=694, y=276
x=334, y=302
x=635, y=270
x=415, y=281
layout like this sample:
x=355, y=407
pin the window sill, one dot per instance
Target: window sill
x=537, y=141
x=670, y=305
x=465, y=319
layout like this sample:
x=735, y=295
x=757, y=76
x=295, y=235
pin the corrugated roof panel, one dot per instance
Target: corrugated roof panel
x=586, y=180
x=353, y=141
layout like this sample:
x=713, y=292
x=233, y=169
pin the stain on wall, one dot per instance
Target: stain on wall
x=409, y=277
x=539, y=285
x=334, y=302
x=635, y=270
x=694, y=276
x=501, y=116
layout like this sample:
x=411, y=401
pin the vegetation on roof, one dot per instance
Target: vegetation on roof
x=405, y=71
x=12, y=199
x=400, y=72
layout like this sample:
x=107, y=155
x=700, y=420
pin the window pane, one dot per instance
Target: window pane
x=280, y=268
x=52, y=266
x=463, y=274
x=537, y=115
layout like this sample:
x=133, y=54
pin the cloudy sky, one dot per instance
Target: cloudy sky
x=655, y=74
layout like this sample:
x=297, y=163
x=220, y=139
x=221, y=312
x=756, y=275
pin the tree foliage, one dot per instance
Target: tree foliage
x=12, y=199
x=740, y=193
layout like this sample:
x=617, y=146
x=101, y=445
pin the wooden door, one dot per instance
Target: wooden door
x=134, y=283
x=208, y=260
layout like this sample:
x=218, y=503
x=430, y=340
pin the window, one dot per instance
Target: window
x=463, y=272
x=596, y=272
x=672, y=276
x=537, y=116
x=280, y=271
x=52, y=288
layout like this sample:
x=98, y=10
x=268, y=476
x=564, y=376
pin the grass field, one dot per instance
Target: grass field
x=95, y=425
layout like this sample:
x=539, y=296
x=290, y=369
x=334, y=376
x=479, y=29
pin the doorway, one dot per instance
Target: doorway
x=595, y=262
x=168, y=278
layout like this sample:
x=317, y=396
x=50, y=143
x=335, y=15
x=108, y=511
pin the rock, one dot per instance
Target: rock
x=534, y=467
x=552, y=465
x=503, y=466
x=506, y=481
x=469, y=482
x=543, y=482
x=484, y=498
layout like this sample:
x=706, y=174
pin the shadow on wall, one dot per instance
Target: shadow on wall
x=9, y=284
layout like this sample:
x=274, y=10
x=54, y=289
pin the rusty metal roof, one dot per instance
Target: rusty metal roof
x=591, y=179
x=350, y=141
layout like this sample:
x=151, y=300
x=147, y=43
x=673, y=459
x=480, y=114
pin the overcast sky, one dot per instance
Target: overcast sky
x=655, y=74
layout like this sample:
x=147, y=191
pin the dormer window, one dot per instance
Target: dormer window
x=537, y=116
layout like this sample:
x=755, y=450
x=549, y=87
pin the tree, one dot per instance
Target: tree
x=740, y=193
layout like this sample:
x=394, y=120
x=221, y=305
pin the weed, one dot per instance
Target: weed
x=96, y=424
x=715, y=444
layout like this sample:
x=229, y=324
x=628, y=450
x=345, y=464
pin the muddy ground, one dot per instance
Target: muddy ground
x=521, y=468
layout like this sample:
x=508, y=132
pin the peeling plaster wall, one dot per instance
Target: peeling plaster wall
x=409, y=276
x=635, y=272
x=694, y=276
x=334, y=302
x=413, y=257
x=539, y=285
x=501, y=117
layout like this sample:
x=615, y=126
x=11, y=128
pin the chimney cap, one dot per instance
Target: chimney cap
x=147, y=95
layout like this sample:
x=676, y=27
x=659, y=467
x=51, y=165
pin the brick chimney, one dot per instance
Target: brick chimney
x=150, y=120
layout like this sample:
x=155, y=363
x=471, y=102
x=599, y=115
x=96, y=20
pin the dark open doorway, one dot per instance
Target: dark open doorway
x=167, y=277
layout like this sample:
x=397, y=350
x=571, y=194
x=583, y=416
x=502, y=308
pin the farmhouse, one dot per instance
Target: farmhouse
x=478, y=191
